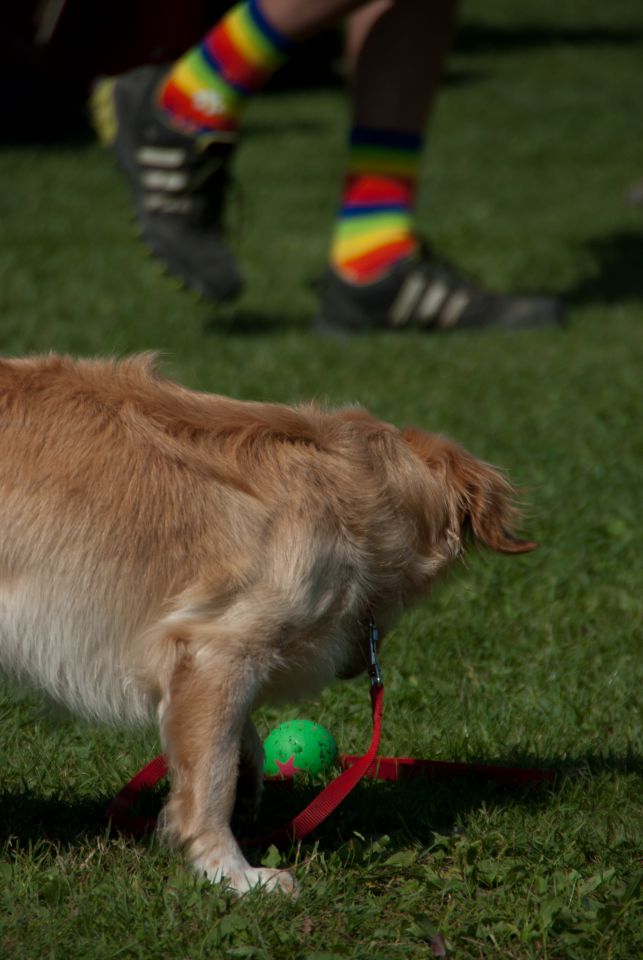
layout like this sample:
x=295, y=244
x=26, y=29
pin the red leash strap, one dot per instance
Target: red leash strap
x=339, y=788
x=118, y=811
x=354, y=769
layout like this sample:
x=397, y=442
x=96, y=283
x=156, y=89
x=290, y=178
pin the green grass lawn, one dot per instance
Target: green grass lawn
x=534, y=660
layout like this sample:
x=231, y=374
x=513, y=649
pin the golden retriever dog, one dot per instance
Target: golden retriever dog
x=182, y=557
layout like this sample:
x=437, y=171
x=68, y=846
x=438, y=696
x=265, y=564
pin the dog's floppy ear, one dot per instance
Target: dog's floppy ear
x=484, y=499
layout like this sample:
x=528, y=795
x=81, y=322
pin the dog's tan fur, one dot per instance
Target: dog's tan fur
x=186, y=556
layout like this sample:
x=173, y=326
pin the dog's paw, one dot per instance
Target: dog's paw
x=267, y=879
x=252, y=878
x=223, y=862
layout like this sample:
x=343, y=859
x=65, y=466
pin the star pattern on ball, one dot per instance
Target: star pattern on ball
x=288, y=769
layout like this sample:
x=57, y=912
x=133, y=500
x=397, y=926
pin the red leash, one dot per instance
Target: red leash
x=354, y=768
x=119, y=809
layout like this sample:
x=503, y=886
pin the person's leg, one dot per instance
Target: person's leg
x=395, y=55
x=380, y=275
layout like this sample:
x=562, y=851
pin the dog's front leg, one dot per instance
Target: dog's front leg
x=206, y=708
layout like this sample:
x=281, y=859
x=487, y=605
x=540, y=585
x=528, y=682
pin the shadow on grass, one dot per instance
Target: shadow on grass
x=243, y=322
x=411, y=811
x=618, y=277
x=476, y=38
x=26, y=818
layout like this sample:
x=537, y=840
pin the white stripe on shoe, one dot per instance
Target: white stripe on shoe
x=168, y=158
x=164, y=203
x=453, y=309
x=406, y=300
x=431, y=303
x=171, y=180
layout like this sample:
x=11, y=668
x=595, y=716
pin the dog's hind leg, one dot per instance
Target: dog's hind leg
x=203, y=719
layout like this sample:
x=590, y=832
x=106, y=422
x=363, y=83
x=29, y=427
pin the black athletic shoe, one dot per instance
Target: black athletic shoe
x=422, y=293
x=178, y=182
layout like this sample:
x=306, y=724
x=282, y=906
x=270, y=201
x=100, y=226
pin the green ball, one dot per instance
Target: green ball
x=298, y=746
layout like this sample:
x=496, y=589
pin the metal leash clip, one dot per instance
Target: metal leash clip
x=374, y=669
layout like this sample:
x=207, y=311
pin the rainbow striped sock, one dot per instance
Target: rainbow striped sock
x=373, y=228
x=208, y=87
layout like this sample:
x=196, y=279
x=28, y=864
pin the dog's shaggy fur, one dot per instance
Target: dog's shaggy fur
x=186, y=556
